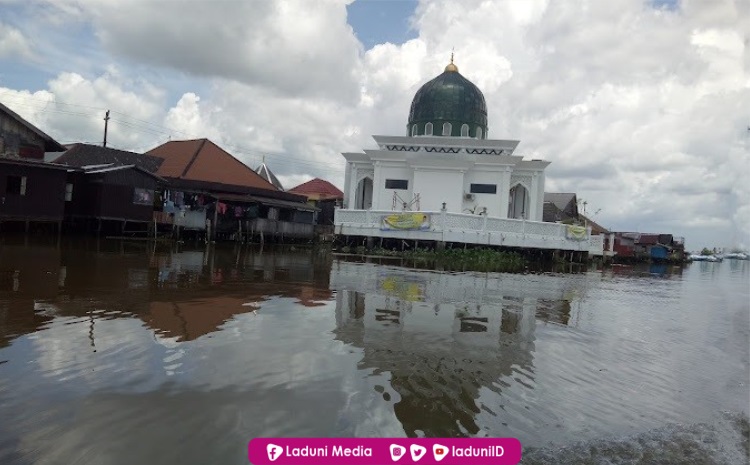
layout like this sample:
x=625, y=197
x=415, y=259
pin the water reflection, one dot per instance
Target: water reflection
x=444, y=338
x=180, y=294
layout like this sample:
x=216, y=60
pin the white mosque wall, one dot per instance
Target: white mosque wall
x=384, y=197
x=494, y=202
x=436, y=187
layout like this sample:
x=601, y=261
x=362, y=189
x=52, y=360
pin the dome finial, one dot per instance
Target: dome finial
x=451, y=67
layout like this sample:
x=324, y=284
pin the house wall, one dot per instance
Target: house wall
x=118, y=195
x=111, y=195
x=16, y=140
x=44, y=197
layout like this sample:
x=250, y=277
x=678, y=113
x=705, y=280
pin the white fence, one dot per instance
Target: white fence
x=472, y=229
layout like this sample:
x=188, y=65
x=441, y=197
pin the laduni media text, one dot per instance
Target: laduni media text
x=384, y=451
x=335, y=451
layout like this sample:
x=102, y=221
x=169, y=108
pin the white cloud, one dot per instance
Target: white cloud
x=644, y=116
x=14, y=43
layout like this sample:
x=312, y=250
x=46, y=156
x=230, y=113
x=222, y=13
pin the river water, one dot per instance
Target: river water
x=121, y=353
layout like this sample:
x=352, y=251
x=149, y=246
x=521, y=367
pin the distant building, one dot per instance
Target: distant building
x=560, y=207
x=265, y=172
x=321, y=194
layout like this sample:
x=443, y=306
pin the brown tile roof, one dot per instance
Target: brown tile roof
x=202, y=160
x=318, y=189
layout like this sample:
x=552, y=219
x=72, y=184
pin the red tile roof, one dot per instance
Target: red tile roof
x=202, y=160
x=318, y=189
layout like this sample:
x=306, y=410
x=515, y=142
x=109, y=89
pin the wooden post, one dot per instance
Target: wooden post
x=216, y=219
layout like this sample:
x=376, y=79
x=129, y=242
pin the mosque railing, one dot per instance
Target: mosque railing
x=446, y=222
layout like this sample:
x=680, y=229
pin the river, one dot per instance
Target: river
x=125, y=352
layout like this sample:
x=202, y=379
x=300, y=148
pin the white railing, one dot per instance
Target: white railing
x=473, y=229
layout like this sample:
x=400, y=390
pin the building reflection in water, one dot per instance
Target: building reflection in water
x=180, y=294
x=445, y=337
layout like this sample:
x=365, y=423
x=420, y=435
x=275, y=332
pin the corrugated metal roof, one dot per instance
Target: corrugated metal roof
x=268, y=175
x=560, y=199
x=82, y=155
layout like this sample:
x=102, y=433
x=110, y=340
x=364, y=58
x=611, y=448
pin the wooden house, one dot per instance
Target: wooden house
x=31, y=192
x=111, y=191
x=238, y=202
x=21, y=139
x=113, y=199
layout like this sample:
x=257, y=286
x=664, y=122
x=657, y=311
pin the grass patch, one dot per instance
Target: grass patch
x=475, y=259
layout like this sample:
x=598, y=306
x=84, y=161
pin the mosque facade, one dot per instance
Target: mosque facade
x=446, y=180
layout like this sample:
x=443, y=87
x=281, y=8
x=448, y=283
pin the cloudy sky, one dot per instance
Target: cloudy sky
x=641, y=106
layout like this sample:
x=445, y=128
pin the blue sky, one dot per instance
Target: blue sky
x=380, y=21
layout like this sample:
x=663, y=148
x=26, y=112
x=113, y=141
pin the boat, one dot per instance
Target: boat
x=737, y=256
x=704, y=258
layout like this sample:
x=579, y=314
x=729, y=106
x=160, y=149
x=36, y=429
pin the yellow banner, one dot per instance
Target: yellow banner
x=577, y=233
x=409, y=291
x=405, y=221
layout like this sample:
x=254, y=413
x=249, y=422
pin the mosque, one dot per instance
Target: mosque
x=446, y=181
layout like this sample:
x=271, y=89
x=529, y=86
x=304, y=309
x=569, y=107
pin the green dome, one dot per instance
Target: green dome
x=450, y=103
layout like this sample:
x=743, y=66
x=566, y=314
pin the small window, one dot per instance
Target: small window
x=16, y=185
x=465, y=130
x=447, y=129
x=68, y=192
x=414, y=130
x=402, y=184
x=479, y=132
x=143, y=197
x=428, y=129
x=483, y=189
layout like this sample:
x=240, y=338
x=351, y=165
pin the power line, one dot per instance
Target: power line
x=278, y=158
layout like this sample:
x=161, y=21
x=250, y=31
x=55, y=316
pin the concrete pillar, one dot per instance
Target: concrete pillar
x=504, y=192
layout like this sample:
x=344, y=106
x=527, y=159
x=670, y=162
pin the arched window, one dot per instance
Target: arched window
x=479, y=132
x=447, y=129
x=414, y=130
x=465, y=130
x=428, y=129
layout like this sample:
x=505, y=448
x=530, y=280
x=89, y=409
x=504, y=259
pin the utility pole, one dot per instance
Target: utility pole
x=106, y=123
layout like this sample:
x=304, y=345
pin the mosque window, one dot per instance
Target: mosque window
x=479, y=132
x=428, y=129
x=483, y=189
x=414, y=130
x=401, y=184
x=447, y=129
x=465, y=130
